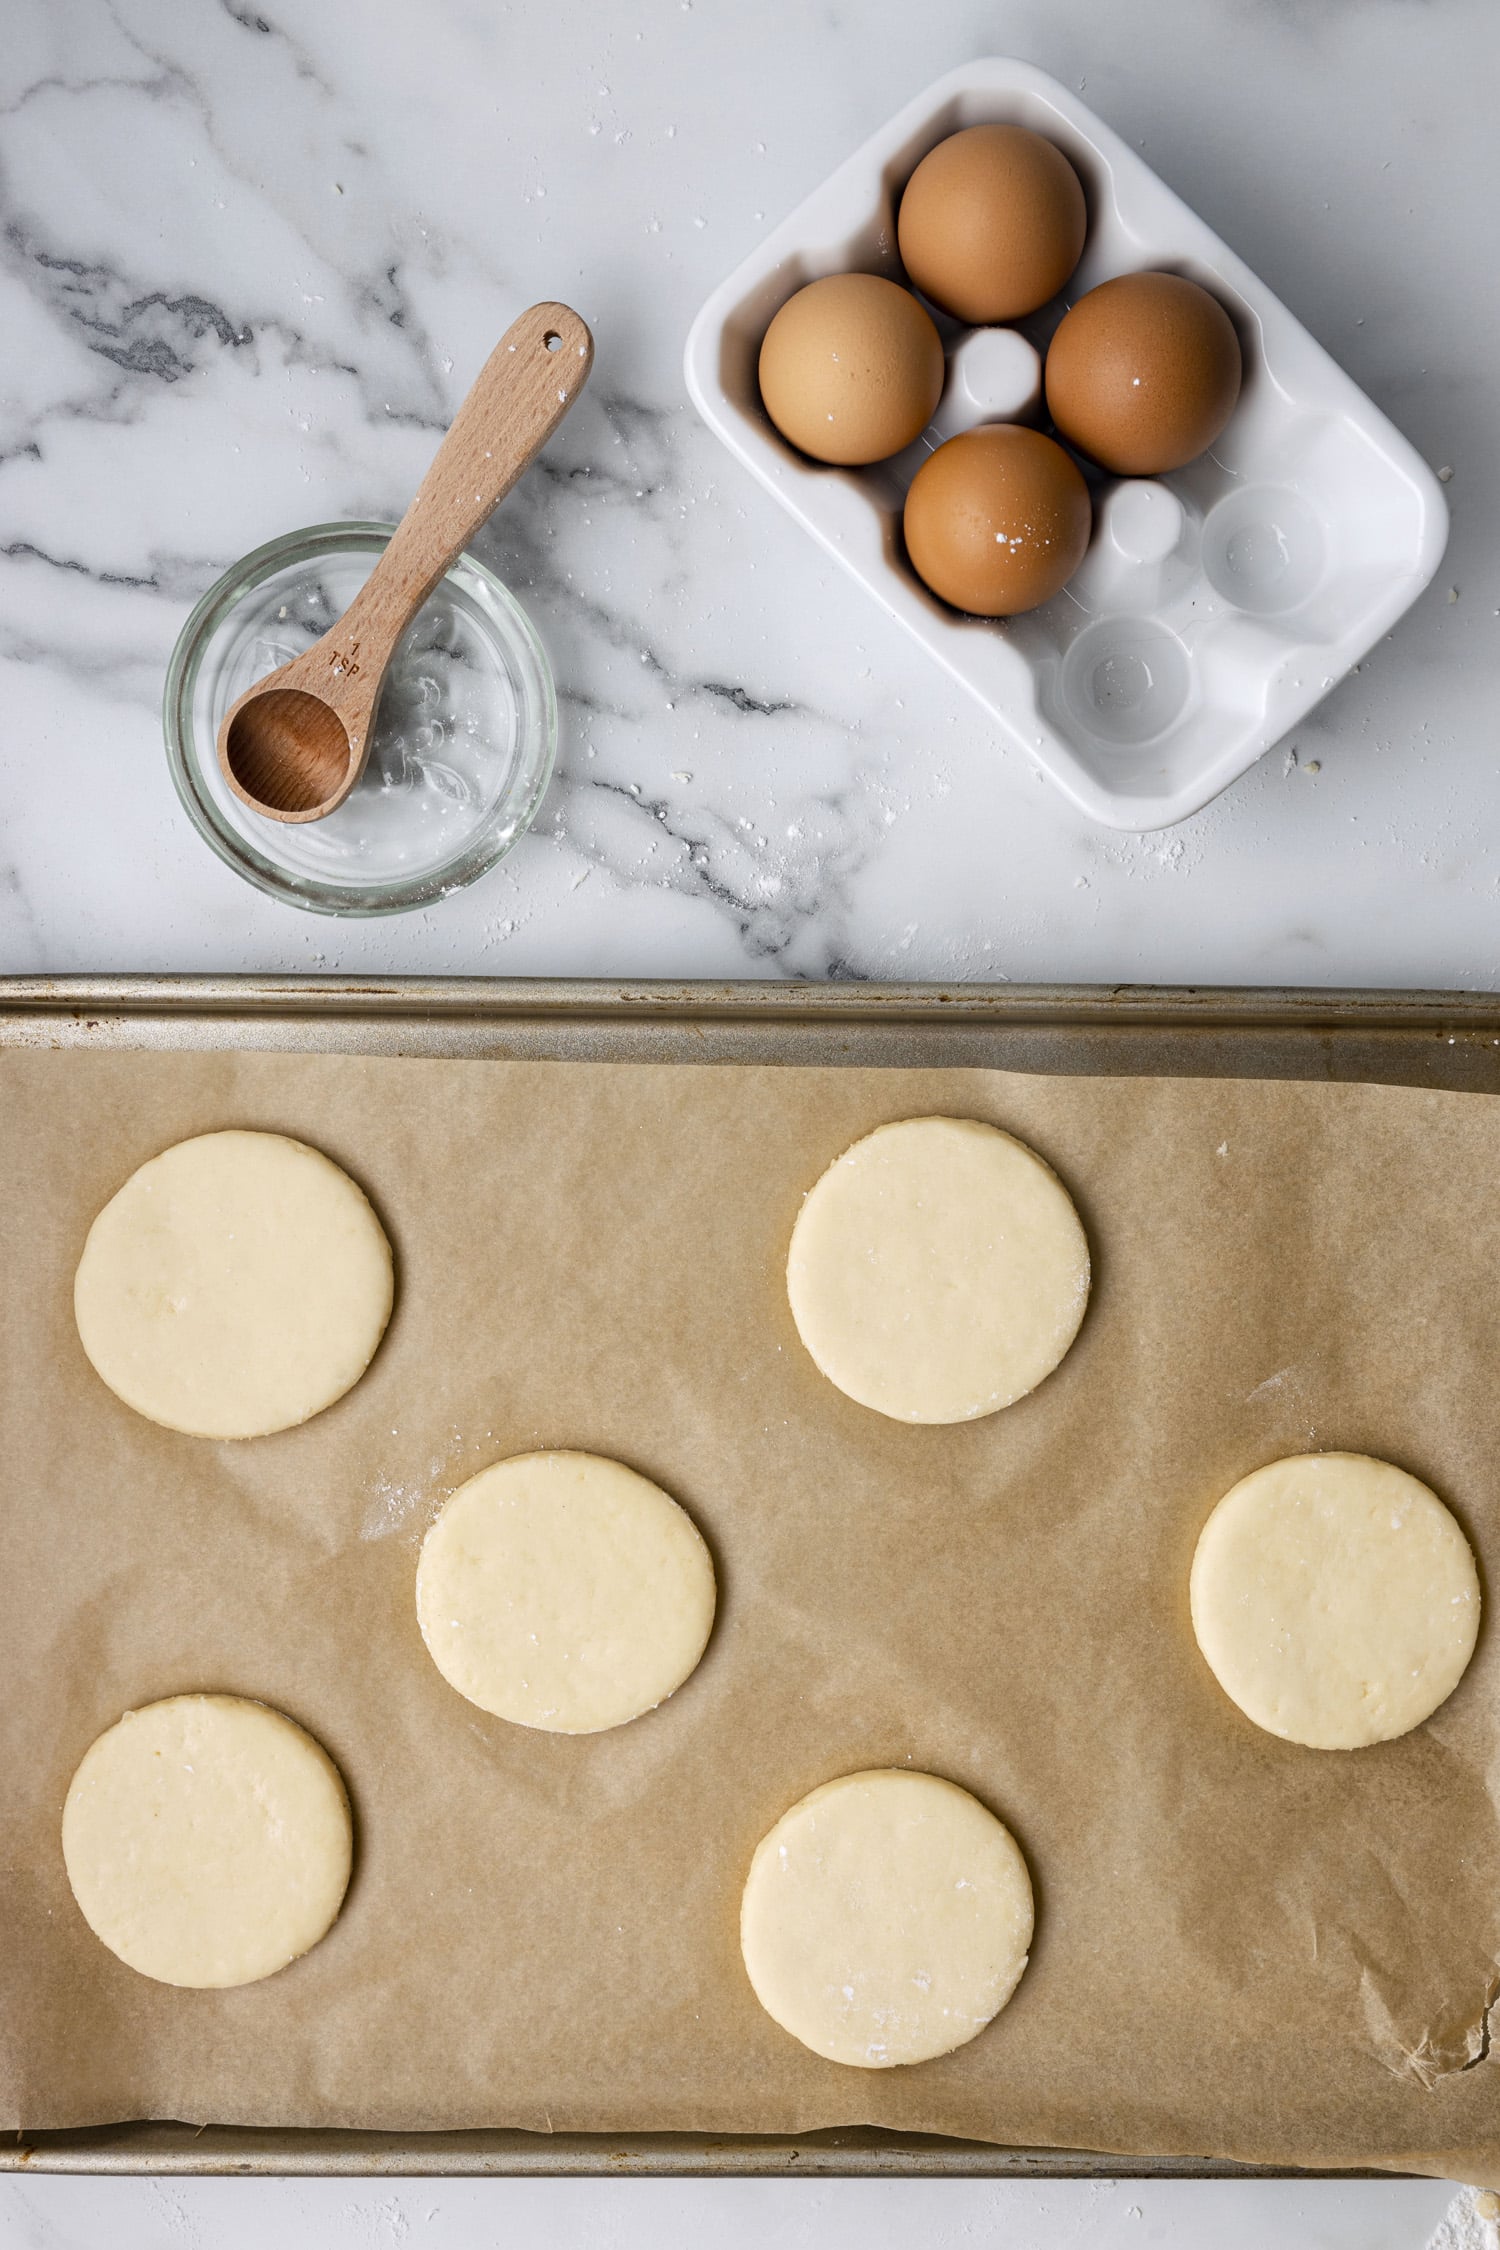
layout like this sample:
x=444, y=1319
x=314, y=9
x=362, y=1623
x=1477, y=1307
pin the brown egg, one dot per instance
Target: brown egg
x=1143, y=373
x=851, y=369
x=992, y=223
x=997, y=520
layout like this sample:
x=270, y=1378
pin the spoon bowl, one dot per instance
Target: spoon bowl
x=287, y=750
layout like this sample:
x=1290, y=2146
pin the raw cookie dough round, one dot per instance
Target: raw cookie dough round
x=564, y=1592
x=236, y=1284
x=207, y=1840
x=1335, y=1599
x=938, y=1270
x=886, y=1919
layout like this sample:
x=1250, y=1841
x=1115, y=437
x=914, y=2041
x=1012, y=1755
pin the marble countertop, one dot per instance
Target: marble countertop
x=252, y=257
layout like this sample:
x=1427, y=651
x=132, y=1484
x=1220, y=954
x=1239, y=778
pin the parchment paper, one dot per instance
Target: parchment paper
x=1243, y=1947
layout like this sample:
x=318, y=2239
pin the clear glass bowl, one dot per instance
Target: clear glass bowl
x=464, y=739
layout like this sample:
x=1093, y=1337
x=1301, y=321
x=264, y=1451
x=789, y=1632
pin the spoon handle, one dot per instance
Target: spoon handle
x=522, y=392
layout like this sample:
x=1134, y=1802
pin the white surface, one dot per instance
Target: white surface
x=1344, y=522
x=735, y=2215
x=245, y=277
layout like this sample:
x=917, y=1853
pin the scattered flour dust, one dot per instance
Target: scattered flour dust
x=394, y=1504
x=1469, y=2223
x=1160, y=851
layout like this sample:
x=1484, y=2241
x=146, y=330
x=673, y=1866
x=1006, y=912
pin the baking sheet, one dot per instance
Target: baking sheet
x=1242, y=1947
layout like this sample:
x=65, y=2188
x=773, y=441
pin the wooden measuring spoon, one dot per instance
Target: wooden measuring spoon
x=293, y=745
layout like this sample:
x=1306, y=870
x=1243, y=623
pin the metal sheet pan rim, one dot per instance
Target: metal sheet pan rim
x=1182, y=1005
x=186, y=2151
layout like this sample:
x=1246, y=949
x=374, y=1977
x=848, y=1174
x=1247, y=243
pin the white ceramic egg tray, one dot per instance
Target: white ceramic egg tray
x=1216, y=605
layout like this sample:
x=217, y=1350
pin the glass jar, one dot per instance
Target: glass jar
x=464, y=742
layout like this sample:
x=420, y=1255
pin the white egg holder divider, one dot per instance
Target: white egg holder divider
x=1216, y=605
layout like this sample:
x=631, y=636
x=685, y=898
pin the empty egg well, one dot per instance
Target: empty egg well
x=1125, y=680
x=1263, y=550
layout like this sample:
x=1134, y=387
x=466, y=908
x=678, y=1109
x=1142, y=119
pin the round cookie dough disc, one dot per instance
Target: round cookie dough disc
x=207, y=1840
x=1335, y=1599
x=937, y=1270
x=237, y=1284
x=886, y=1919
x=564, y=1592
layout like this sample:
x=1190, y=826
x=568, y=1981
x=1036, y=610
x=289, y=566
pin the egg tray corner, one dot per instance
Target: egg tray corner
x=1217, y=604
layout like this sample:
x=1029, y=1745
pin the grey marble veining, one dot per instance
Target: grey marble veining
x=251, y=256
